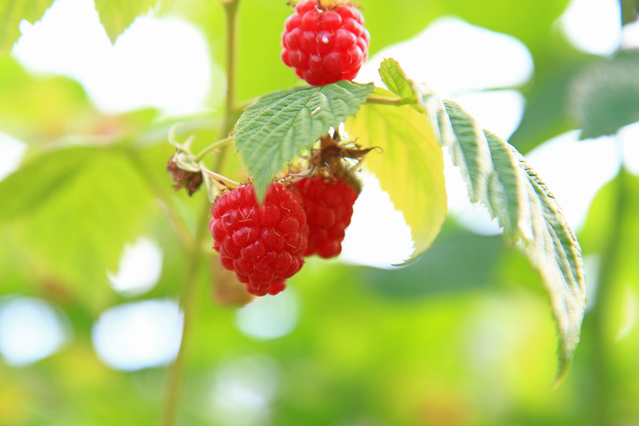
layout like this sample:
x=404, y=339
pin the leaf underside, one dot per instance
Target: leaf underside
x=498, y=176
x=280, y=125
x=411, y=166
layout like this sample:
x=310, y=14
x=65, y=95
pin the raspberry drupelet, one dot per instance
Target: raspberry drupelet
x=263, y=244
x=325, y=45
x=329, y=207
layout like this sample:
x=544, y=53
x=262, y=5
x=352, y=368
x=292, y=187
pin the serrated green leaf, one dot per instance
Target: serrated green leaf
x=471, y=153
x=14, y=11
x=278, y=126
x=411, y=168
x=529, y=213
x=555, y=252
x=506, y=189
x=117, y=15
x=396, y=80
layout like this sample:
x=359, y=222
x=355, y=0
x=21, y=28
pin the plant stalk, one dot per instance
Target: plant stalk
x=176, y=371
x=211, y=147
x=389, y=101
x=603, y=395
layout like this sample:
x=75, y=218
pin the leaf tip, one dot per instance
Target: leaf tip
x=565, y=362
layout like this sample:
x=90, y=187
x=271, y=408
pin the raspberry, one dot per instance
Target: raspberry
x=263, y=244
x=329, y=208
x=325, y=45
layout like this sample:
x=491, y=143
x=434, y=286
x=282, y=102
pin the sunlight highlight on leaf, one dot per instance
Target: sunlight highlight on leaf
x=411, y=168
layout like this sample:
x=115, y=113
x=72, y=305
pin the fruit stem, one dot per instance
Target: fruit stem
x=176, y=370
x=389, y=101
x=211, y=147
x=167, y=204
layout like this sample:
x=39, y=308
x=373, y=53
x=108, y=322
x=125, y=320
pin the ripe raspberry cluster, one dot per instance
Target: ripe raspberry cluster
x=329, y=207
x=325, y=45
x=263, y=244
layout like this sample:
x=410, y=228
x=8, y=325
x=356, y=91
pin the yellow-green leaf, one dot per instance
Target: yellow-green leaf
x=117, y=15
x=14, y=11
x=411, y=167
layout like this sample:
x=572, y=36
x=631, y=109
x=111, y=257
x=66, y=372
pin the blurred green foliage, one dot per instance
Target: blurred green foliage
x=461, y=337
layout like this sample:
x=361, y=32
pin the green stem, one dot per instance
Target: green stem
x=603, y=390
x=211, y=147
x=389, y=101
x=181, y=230
x=176, y=371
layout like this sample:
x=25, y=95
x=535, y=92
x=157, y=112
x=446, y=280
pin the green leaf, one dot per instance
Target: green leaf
x=96, y=203
x=278, y=126
x=507, y=188
x=501, y=179
x=396, y=80
x=411, y=168
x=36, y=182
x=117, y=15
x=14, y=11
x=434, y=274
x=40, y=107
x=470, y=152
x=605, y=97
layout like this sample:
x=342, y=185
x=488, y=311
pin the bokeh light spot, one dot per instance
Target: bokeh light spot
x=30, y=330
x=269, y=317
x=593, y=26
x=140, y=268
x=139, y=335
x=148, y=66
x=243, y=390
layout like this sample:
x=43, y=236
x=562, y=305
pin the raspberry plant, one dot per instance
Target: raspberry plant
x=299, y=184
x=287, y=135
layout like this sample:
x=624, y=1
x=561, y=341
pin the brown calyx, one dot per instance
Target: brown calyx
x=184, y=179
x=329, y=160
x=328, y=4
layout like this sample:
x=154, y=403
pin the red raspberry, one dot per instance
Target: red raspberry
x=263, y=244
x=325, y=45
x=329, y=208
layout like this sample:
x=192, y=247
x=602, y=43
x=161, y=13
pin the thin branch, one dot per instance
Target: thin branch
x=211, y=147
x=389, y=101
x=167, y=204
x=176, y=371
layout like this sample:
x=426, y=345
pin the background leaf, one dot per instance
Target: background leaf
x=94, y=203
x=44, y=177
x=14, y=11
x=280, y=125
x=529, y=213
x=605, y=96
x=411, y=167
x=61, y=104
x=474, y=267
x=117, y=15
